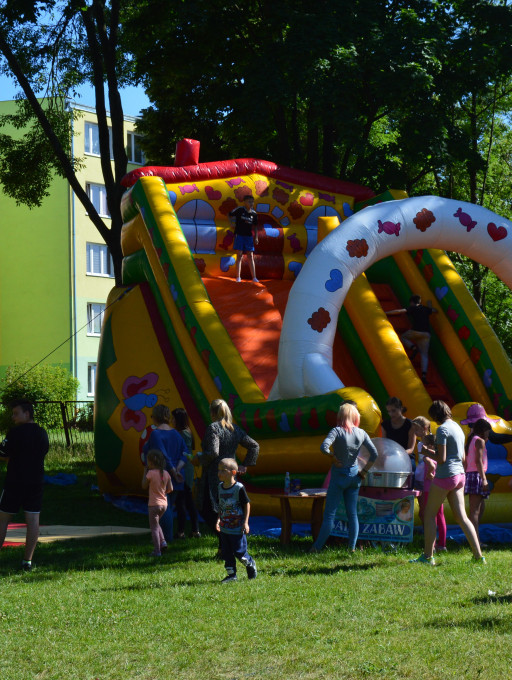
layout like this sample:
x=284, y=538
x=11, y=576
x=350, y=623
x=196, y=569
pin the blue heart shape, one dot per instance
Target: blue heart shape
x=441, y=292
x=174, y=292
x=218, y=383
x=347, y=210
x=226, y=263
x=335, y=282
x=295, y=267
x=487, y=377
x=284, y=425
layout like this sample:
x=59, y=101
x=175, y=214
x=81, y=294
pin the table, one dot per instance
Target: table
x=317, y=512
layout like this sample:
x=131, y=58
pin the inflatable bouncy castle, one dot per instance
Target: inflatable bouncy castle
x=285, y=352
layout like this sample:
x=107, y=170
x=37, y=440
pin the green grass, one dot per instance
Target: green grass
x=101, y=608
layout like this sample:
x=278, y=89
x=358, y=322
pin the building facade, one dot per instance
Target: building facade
x=55, y=269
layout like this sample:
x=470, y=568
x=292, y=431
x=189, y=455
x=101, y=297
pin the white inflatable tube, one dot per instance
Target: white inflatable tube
x=311, y=316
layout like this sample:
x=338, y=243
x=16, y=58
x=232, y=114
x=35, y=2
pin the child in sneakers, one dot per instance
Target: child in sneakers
x=448, y=482
x=233, y=521
x=426, y=444
x=158, y=481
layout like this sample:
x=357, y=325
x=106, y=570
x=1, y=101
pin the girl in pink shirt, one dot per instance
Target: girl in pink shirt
x=477, y=486
x=421, y=428
x=158, y=481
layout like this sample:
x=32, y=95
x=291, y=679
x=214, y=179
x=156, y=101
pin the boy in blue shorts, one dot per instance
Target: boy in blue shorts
x=245, y=220
x=233, y=522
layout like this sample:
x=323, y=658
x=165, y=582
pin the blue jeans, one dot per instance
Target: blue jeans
x=345, y=483
x=234, y=547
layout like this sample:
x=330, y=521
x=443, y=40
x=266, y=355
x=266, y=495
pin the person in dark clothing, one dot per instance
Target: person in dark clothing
x=245, y=220
x=25, y=446
x=417, y=338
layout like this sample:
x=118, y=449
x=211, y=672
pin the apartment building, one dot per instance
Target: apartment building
x=55, y=270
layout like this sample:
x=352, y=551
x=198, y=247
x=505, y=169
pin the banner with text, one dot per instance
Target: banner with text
x=379, y=520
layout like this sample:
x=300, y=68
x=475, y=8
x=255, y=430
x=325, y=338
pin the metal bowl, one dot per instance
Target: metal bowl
x=390, y=480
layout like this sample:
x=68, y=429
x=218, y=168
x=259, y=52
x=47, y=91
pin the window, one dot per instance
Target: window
x=133, y=150
x=91, y=379
x=95, y=311
x=92, y=140
x=99, y=260
x=97, y=194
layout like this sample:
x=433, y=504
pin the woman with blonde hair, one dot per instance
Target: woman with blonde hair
x=346, y=440
x=221, y=440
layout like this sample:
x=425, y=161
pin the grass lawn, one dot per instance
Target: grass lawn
x=101, y=608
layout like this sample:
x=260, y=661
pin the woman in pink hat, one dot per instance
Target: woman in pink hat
x=476, y=412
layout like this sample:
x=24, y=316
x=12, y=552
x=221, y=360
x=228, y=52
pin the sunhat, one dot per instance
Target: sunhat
x=474, y=413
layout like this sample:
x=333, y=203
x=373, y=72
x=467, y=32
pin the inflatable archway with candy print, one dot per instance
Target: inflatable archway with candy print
x=315, y=300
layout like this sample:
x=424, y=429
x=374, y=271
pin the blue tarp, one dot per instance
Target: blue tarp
x=61, y=479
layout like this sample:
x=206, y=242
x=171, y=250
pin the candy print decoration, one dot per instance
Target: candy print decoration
x=347, y=210
x=295, y=209
x=228, y=240
x=424, y=219
x=280, y=196
x=496, y=233
x=213, y=194
x=226, y=263
x=319, y=319
x=389, y=228
x=294, y=242
x=295, y=268
x=188, y=189
x=284, y=425
x=357, y=248
x=441, y=292
x=200, y=264
x=465, y=220
x=335, y=282
x=327, y=197
x=307, y=199
x=235, y=182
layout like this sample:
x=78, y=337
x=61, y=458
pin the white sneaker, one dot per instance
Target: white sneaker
x=238, y=279
x=255, y=281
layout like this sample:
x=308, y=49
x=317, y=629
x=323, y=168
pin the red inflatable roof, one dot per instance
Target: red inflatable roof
x=247, y=166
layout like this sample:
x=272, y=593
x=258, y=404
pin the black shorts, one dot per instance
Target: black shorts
x=28, y=497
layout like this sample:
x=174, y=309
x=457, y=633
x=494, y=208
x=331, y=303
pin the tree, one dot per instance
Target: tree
x=51, y=47
x=42, y=383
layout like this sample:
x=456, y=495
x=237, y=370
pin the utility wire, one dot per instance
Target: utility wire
x=70, y=337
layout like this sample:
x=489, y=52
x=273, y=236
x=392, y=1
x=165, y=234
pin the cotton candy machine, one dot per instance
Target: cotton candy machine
x=392, y=469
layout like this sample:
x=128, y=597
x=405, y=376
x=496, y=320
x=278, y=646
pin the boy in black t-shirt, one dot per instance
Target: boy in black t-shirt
x=233, y=521
x=245, y=220
x=418, y=337
x=26, y=446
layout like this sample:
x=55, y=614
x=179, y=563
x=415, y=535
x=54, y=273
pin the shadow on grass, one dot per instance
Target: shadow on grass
x=493, y=599
x=496, y=625
x=323, y=570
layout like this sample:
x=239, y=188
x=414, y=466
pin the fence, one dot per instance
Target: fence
x=67, y=422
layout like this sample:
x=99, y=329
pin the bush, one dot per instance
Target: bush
x=41, y=383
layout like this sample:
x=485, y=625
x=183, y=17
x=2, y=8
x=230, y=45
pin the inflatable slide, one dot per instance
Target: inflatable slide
x=284, y=353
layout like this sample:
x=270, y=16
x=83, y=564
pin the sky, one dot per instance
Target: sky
x=133, y=98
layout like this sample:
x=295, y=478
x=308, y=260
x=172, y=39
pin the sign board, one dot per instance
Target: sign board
x=379, y=520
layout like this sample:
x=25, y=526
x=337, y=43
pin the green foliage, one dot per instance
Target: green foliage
x=27, y=162
x=41, y=383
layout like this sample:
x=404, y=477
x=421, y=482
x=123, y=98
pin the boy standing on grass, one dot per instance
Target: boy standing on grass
x=26, y=446
x=245, y=220
x=233, y=522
